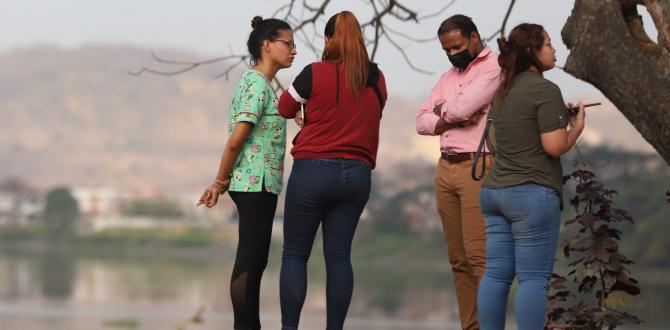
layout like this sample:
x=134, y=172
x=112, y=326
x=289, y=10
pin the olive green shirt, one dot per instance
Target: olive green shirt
x=260, y=165
x=534, y=105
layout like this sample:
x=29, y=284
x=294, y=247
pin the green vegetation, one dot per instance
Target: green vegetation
x=61, y=211
x=154, y=207
x=122, y=323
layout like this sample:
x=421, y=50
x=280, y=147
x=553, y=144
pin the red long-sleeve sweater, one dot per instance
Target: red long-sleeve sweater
x=336, y=125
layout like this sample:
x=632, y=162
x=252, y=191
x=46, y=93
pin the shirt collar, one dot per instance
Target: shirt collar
x=485, y=52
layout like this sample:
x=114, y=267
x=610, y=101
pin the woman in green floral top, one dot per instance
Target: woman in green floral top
x=252, y=163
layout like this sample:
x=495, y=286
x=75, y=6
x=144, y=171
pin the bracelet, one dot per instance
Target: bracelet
x=227, y=176
x=221, y=183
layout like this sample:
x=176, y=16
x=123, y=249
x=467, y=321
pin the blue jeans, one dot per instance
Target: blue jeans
x=522, y=224
x=332, y=192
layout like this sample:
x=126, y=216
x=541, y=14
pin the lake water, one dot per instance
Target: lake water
x=55, y=291
x=162, y=290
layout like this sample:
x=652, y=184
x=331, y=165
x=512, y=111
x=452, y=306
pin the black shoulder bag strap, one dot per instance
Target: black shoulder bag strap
x=380, y=98
x=373, y=78
x=480, y=152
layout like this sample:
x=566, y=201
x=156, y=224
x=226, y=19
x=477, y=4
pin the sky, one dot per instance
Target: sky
x=214, y=28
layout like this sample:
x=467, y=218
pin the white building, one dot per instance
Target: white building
x=95, y=201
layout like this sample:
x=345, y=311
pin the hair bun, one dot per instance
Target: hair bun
x=256, y=21
x=503, y=45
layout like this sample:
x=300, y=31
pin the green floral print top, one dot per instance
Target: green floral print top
x=260, y=165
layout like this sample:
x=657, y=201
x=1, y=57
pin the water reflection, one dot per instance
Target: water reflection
x=56, y=290
x=57, y=271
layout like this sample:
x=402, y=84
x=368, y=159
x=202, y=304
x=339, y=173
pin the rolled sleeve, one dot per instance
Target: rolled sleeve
x=254, y=100
x=551, y=112
x=426, y=120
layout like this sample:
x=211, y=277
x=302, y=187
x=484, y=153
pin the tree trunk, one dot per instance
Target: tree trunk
x=609, y=49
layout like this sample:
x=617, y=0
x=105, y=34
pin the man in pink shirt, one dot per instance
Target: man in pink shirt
x=456, y=111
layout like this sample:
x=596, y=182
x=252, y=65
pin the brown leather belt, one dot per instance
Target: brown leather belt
x=457, y=157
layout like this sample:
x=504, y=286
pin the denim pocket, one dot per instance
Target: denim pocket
x=546, y=192
x=517, y=201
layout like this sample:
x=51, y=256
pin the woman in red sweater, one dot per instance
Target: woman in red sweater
x=343, y=97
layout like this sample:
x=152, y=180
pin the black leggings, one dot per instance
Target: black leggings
x=256, y=211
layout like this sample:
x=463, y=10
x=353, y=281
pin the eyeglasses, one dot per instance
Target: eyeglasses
x=289, y=43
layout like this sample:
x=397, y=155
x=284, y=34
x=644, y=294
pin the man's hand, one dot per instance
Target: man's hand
x=442, y=125
x=437, y=109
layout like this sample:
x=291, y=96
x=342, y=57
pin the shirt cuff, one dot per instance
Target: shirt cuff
x=295, y=95
x=430, y=124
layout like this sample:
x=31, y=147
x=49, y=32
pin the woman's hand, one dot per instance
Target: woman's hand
x=211, y=194
x=298, y=119
x=577, y=121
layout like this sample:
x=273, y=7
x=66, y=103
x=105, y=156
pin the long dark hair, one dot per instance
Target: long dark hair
x=518, y=54
x=263, y=29
x=346, y=46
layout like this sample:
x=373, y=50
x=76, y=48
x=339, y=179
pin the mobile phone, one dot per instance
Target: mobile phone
x=574, y=110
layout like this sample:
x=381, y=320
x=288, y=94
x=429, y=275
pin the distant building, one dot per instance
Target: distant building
x=20, y=208
x=99, y=201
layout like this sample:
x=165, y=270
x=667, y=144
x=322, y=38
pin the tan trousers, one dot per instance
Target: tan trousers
x=457, y=196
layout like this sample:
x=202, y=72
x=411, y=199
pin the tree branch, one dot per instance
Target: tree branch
x=302, y=14
x=501, y=30
x=318, y=12
x=189, y=65
x=439, y=12
x=504, y=23
x=403, y=53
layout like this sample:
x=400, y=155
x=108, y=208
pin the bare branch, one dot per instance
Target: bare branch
x=378, y=23
x=301, y=15
x=388, y=10
x=439, y=12
x=376, y=41
x=501, y=30
x=403, y=53
x=230, y=68
x=492, y=36
x=189, y=65
x=304, y=37
x=288, y=12
x=504, y=23
x=318, y=12
x=408, y=37
x=411, y=15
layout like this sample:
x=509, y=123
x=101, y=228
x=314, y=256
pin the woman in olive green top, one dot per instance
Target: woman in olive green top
x=521, y=197
x=252, y=163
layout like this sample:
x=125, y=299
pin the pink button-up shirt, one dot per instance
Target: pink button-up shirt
x=462, y=95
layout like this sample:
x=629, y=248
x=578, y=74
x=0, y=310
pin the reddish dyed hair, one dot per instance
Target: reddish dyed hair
x=347, y=47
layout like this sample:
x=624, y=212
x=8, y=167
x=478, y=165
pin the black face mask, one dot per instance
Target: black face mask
x=461, y=60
